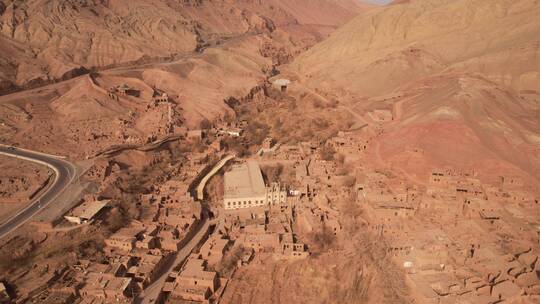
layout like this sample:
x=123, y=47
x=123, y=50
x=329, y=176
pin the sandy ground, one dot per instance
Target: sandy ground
x=6, y=210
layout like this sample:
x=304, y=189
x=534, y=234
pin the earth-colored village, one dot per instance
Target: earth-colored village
x=432, y=229
x=257, y=152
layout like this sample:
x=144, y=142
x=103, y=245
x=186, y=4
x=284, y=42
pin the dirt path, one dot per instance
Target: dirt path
x=397, y=108
x=343, y=107
x=207, y=177
x=397, y=112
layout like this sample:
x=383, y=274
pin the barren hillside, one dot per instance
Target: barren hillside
x=461, y=78
x=48, y=40
x=421, y=38
x=198, y=52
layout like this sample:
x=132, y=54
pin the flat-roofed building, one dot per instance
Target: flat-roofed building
x=244, y=187
x=194, y=283
x=294, y=250
x=134, y=235
x=106, y=287
x=143, y=270
x=282, y=84
x=275, y=194
x=195, y=134
x=267, y=242
x=194, y=274
x=213, y=249
x=86, y=211
x=234, y=132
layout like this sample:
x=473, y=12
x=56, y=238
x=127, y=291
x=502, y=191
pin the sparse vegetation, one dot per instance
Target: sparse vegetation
x=214, y=190
x=352, y=220
x=256, y=132
x=288, y=120
x=327, y=152
x=340, y=159
x=323, y=238
x=272, y=173
x=199, y=145
x=230, y=260
x=235, y=145
x=87, y=243
x=333, y=103
x=116, y=219
x=228, y=117
x=205, y=124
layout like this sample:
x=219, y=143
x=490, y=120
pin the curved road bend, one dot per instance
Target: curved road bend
x=65, y=172
x=206, y=178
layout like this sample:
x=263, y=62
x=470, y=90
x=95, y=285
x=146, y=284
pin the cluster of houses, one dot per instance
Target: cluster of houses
x=137, y=252
x=257, y=216
x=126, y=90
x=193, y=283
x=459, y=240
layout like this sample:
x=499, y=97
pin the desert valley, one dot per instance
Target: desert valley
x=243, y=151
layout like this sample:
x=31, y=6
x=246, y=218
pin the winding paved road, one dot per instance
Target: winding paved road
x=64, y=171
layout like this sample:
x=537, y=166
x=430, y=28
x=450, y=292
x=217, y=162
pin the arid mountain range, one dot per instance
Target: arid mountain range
x=170, y=45
x=460, y=78
x=399, y=143
x=51, y=40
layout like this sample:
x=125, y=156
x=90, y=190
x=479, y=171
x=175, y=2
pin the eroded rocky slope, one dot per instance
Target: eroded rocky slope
x=49, y=40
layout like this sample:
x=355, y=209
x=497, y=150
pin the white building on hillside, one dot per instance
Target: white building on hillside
x=245, y=188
